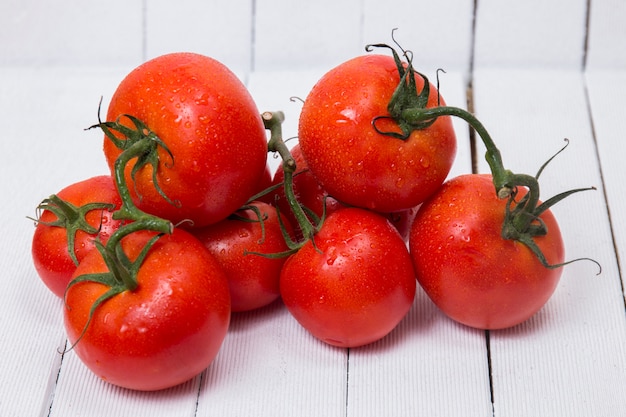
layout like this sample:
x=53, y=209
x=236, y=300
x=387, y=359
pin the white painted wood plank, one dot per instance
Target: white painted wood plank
x=305, y=35
x=532, y=33
x=438, y=32
x=270, y=366
x=428, y=359
x=42, y=117
x=81, y=393
x=569, y=359
x=607, y=32
x=606, y=90
x=219, y=29
x=70, y=32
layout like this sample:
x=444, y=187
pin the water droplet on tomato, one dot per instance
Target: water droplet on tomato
x=425, y=162
x=202, y=100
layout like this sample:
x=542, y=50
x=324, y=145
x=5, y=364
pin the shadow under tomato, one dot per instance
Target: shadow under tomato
x=418, y=323
x=246, y=320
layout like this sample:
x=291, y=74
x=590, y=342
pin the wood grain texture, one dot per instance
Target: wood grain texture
x=532, y=88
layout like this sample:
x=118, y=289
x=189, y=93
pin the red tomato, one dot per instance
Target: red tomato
x=469, y=271
x=265, y=181
x=163, y=333
x=50, y=251
x=310, y=193
x=355, y=285
x=253, y=279
x=356, y=164
x=209, y=122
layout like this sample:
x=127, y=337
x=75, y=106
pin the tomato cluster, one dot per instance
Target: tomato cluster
x=190, y=226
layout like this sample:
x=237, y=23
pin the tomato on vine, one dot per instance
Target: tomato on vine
x=310, y=194
x=67, y=226
x=349, y=279
x=468, y=269
x=243, y=244
x=198, y=137
x=359, y=147
x=162, y=332
x=353, y=282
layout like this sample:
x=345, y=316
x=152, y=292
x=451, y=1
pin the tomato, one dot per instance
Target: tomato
x=310, y=193
x=355, y=284
x=253, y=279
x=264, y=182
x=208, y=121
x=49, y=247
x=465, y=266
x=353, y=161
x=163, y=333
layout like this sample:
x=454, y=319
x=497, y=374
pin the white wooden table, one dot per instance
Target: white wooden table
x=541, y=71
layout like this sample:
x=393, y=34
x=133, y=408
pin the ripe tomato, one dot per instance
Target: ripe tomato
x=164, y=332
x=355, y=285
x=310, y=193
x=50, y=251
x=356, y=164
x=253, y=279
x=469, y=271
x=210, y=124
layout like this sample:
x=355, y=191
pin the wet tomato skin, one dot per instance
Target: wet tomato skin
x=164, y=332
x=358, y=165
x=210, y=124
x=253, y=279
x=310, y=193
x=468, y=270
x=49, y=245
x=355, y=285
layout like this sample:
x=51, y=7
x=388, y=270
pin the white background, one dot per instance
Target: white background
x=541, y=70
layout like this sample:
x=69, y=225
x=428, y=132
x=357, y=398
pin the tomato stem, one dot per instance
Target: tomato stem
x=71, y=218
x=273, y=122
x=407, y=108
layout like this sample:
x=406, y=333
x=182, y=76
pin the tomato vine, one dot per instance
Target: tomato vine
x=140, y=144
x=408, y=109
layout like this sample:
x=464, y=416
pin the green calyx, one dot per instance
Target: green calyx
x=71, y=218
x=406, y=96
x=138, y=142
x=522, y=220
x=121, y=275
x=141, y=145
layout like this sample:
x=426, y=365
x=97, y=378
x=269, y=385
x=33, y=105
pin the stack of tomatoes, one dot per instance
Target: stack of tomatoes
x=149, y=308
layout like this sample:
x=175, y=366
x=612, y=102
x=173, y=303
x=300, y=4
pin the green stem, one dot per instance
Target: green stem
x=501, y=176
x=273, y=122
x=128, y=210
x=504, y=180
